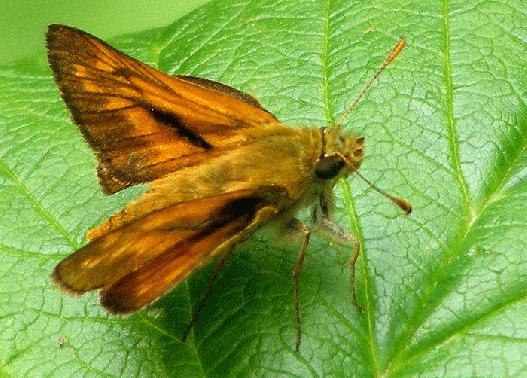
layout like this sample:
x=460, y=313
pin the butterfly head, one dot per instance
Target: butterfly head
x=342, y=154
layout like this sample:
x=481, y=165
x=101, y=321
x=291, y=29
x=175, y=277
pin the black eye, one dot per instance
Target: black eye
x=328, y=167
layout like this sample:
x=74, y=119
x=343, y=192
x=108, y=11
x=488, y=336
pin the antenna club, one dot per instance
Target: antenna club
x=396, y=50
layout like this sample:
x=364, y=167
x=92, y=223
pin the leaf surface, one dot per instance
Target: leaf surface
x=443, y=290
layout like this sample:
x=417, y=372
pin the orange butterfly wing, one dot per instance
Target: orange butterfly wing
x=141, y=261
x=142, y=123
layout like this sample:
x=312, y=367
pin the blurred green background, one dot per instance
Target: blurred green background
x=23, y=22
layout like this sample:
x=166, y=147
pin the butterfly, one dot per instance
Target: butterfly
x=219, y=167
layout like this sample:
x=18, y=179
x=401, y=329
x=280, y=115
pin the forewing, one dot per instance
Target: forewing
x=142, y=123
x=143, y=260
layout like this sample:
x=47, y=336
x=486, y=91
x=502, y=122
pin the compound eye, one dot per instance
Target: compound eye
x=328, y=167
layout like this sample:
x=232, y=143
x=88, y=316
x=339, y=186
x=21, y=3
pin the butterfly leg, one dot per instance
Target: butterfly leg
x=196, y=313
x=326, y=229
x=298, y=228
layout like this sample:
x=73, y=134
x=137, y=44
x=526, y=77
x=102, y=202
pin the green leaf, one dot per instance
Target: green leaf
x=443, y=290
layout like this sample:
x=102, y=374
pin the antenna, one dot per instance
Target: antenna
x=397, y=49
x=405, y=206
